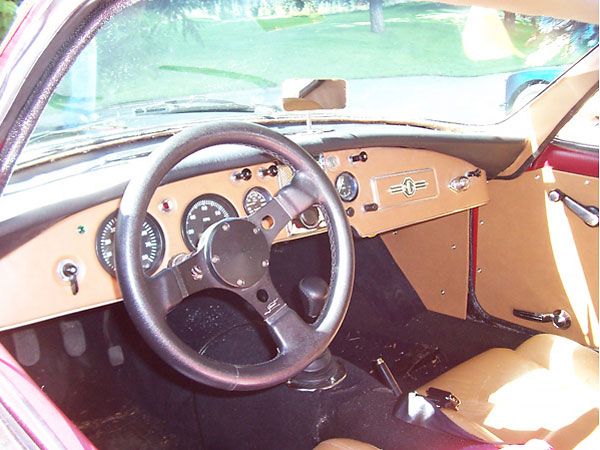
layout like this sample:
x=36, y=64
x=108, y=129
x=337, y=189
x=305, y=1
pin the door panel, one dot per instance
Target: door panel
x=536, y=255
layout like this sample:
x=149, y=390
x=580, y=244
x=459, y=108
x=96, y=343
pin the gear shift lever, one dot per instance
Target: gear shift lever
x=313, y=291
x=326, y=371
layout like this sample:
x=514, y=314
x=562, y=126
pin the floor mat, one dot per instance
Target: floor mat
x=133, y=427
x=281, y=418
x=423, y=348
x=387, y=319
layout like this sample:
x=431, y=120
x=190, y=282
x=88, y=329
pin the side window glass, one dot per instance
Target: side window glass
x=583, y=128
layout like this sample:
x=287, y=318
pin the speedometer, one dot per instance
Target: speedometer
x=153, y=249
x=200, y=214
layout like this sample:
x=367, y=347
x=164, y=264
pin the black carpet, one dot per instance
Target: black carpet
x=146, y=404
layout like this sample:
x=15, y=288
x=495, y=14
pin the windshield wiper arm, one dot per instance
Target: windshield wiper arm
x=193, y=105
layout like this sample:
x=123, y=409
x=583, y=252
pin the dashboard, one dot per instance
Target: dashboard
x=69, y=266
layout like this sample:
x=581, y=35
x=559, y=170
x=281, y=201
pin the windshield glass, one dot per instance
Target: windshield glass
x=402, y=61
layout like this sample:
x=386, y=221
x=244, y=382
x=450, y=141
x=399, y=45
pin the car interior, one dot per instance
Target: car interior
x=305, y=281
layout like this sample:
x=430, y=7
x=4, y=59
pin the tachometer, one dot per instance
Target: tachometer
x=255, y=199
x=200, y=214
x=153, y=249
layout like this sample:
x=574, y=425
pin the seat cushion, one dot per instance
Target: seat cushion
x=344, y=444
x=563, y=356
x=546, y=389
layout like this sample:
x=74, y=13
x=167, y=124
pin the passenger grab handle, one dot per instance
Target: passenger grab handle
x=560, y=318
x=589, y=214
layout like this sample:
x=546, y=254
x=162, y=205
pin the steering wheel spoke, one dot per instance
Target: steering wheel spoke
x=263, y=297
x=291, y=200
x=172, y=285
x=288, y=330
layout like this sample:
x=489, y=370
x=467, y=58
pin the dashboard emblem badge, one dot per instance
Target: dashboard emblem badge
x=408, y=187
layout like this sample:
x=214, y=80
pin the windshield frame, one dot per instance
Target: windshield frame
x=71, y=25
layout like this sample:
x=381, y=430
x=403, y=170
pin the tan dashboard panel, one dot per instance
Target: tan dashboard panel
x=414, y=185
x=383, y=179
x=434, y=256
x=32, y=289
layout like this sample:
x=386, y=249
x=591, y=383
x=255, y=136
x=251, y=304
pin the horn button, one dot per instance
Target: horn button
x=238, y=253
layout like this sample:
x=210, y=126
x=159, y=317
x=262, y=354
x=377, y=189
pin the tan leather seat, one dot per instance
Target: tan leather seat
x=545, y=389
x=344, y=444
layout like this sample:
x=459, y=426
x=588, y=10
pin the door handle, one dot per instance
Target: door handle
x=559, y=318
x=589, y=214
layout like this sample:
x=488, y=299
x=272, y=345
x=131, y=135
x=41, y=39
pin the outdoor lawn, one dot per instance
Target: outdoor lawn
x=138, y=59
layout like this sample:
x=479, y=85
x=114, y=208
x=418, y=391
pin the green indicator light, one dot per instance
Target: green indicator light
x=81, y=229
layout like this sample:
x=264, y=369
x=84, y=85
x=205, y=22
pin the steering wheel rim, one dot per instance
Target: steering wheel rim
x=298, y=343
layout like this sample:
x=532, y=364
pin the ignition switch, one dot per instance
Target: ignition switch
x=68, y=270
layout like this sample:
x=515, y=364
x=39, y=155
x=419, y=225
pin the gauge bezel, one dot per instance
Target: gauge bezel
x=226, y=204
x=354, y=191
x=152, y=222
x=265, y=193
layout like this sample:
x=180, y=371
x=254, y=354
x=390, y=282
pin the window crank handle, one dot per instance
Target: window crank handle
x=589, y=214
x=560, y=318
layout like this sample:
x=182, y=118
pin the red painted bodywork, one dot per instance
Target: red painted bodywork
x=19, y=29
x=564, y=160
x=474, y=233
x=68, y=434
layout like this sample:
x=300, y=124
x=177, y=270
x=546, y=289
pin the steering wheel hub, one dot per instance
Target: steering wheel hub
x=238, y=253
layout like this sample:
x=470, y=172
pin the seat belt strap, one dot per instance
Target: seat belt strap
x=418, y=410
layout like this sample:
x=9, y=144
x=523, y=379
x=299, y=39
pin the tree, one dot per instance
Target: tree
x=509, y=20
x=175, y=11
x=376, y=16
x=560, y=39
x=8, y=9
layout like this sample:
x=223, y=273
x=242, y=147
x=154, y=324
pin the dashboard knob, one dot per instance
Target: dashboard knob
x=361, y=157
x=310, y=218
x=270, y=171
x=244, y=174
x=459, y=184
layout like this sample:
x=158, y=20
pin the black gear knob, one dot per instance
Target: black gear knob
x=313, y=291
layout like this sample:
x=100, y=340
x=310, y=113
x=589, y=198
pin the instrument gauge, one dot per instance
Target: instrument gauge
x=153, y=248
x=255, y=199
x=200, y=214
x=346, y=185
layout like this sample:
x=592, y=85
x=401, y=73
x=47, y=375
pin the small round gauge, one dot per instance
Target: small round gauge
x=255, y=199
x=200, y=214
x=347, y=186
x=153, y=248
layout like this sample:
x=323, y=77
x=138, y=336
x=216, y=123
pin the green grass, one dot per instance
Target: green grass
x=280, y=23
x=139, y=60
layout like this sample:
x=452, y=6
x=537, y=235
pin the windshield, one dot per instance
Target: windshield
x=402, y=60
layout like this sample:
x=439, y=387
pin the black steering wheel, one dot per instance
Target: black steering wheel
x=233, y=254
